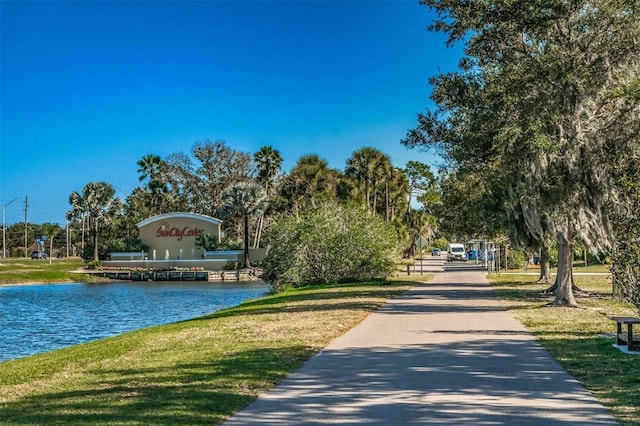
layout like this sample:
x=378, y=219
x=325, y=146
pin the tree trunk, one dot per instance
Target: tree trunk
x=246, y=241
x=574, y=287
x=367, y=196
x=506, y=257
x=83, y=226
x=412, y=249
x=545, y=265
x=95, y=240
x=386, y=201
x=564, y=289
x=256, y=240
x=375, y=195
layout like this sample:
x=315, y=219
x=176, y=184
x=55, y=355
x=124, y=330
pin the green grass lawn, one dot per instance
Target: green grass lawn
x=25, y=271
x=193, y=372
x=581, y=339
x=578, y=267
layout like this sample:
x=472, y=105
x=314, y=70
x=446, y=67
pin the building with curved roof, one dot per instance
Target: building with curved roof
x=173, y=235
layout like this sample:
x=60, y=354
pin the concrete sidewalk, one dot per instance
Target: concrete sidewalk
x=445, y=352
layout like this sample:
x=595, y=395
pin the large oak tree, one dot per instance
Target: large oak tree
x=543, y=98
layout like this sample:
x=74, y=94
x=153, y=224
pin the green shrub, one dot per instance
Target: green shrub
x=231, y=266
x=440, y=243
x=515, y=259
x=553, y=256
x=329, y=244
x=94, y=264
x=210, y=243
x=625, y=267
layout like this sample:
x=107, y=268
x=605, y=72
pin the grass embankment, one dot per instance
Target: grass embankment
x=193, y=372
x=581, y=339
x=578, y=268
x=24, y=271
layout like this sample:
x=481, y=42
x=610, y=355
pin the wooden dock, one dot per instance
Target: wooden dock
x=211, y=276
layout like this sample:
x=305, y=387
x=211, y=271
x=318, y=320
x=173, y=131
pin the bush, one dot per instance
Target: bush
x=515, y=259
x=17, y=252
x=231, y=266
x=440, y=243
x=210, y=243
x=625, y=267
x=130, y=245
x=553, y=256
x=94, y=264
x=329, y=244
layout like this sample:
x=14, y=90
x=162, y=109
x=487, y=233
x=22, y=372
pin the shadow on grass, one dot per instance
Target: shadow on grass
x=359, y=298
x=612, y=375
x=195, y=393
x=369, y=299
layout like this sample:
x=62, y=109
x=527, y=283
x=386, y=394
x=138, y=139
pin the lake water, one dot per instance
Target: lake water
x=41, y=318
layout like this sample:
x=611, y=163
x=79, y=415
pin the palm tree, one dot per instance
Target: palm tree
x=382, y=170
x=370, y=166
x=96, y=202
x=420, y=224
x=246, y=199
x=268, y=163
x=78, y=212
x=359, y=168
x=150, y=168
x=50, y=230
x=310, y=181
x=396, y=188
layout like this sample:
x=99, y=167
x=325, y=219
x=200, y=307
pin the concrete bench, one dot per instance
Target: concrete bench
x=626, y=338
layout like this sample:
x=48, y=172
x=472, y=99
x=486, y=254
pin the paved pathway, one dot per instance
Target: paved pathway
x=445, y=352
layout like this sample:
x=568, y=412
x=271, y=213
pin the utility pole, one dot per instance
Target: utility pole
x=4, y=228
x=26, y=207
x=67, y=232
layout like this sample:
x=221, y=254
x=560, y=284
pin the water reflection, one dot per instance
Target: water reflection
x=40, y=318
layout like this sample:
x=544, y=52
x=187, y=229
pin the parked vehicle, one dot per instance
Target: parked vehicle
x=435, y=252
x=456, y=252
x=39, y=254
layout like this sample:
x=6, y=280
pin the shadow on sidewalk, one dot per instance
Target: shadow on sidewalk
x=484, y=381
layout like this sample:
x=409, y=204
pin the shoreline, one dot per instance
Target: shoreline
x=59, y=282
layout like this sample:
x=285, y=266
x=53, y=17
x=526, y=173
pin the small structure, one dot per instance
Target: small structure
x=171, y=245
x=174, y=234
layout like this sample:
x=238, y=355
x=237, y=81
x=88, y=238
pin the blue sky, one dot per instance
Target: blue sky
x=89, y=88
